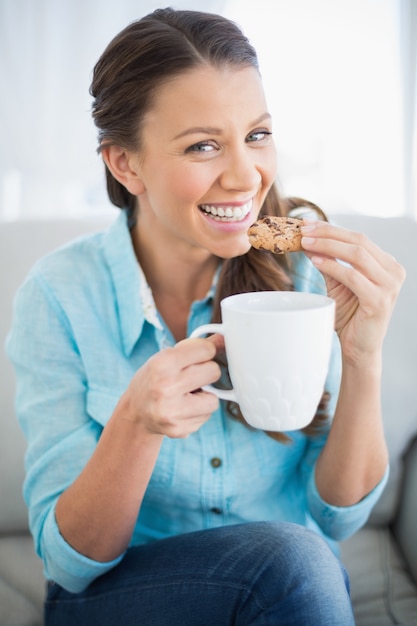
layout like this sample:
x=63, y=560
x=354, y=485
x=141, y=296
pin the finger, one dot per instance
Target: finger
x=358, y=252
x=373, y=299
x=202, y=403
x=182, y=369
x=196, y=350
x=198, y=404
x=193, y=411
x=218, y=341
x=344, y=260
x=322, y=231
x=196, y=376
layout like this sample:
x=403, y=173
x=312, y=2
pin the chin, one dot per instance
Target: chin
x=232, y=252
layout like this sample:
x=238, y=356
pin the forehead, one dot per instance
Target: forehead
x=208, y=93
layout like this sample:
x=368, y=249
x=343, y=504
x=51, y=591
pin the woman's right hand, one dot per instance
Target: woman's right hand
x=165, y=394
x=163, y=398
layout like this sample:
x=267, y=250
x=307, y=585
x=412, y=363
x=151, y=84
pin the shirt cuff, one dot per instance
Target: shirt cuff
x=338, y=522
x=64, y=565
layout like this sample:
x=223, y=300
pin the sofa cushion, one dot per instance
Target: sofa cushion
x=404, y=527
x=397, y=236
x=21, y=570
x=15, y=609
x=382, y=590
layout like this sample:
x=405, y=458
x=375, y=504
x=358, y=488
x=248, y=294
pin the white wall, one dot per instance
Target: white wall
x=338, y=74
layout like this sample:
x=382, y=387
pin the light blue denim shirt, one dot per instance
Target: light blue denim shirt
x=84, y=322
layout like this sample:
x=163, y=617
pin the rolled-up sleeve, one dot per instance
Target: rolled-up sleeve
x=64, y=565
x=51, y=401
x=339, y=523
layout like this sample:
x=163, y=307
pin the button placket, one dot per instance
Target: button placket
x=213, y=461
x=216, y=510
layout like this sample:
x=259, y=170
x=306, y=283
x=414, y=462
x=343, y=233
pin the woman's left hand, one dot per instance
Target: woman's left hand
x=362, y=279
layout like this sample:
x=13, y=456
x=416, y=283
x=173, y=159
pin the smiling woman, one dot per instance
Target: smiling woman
x=216, y=522
x=202, y=187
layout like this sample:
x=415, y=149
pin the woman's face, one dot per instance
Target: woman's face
x=207, y=160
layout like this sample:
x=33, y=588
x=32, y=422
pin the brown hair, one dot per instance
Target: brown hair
x=137, y=61
x=146, y=54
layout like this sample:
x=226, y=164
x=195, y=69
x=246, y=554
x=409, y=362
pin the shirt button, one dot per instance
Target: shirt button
x=215, y=462
x=216, y=510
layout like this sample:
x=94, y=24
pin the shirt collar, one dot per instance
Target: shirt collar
x=128, y=280
x=133, y=296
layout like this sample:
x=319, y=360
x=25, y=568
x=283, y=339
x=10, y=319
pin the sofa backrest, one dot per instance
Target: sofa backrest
x=397, y=236
x=21, y=243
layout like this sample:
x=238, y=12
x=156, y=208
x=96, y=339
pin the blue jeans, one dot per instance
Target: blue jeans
x=260, y=573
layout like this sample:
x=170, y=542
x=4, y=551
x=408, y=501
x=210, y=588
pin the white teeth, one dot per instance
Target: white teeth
x=227, y=213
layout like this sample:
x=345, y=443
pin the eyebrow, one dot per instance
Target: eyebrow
x=211, y=130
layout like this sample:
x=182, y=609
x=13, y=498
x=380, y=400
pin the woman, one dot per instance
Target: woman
x=150, y=502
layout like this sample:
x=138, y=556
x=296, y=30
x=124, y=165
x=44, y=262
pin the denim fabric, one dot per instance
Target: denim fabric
x=252, y=574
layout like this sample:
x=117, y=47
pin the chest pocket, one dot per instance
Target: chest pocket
x=101, y=404
x=100, y=407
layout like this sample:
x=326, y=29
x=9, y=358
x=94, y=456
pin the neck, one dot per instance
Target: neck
x=176, y=278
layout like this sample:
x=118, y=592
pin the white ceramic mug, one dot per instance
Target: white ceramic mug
x=278, y=346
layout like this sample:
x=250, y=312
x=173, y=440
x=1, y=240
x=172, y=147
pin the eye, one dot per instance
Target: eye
x=259, y=135
x=201, y=146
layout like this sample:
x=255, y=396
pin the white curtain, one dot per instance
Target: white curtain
x=339, y=74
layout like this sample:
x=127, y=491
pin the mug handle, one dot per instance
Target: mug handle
x=205, y=329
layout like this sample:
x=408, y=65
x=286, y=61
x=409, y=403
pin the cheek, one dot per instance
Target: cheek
x=268, y=171
x=189, y=185
x=271, y=168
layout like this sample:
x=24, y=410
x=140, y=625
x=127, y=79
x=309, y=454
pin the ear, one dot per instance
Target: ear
x=124, y=166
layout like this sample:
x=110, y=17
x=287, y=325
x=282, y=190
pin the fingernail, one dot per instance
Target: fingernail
x=307, y=241
x=317, y=260
x=308, y=228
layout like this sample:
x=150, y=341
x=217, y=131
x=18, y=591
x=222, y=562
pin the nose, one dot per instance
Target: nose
x=241, y=172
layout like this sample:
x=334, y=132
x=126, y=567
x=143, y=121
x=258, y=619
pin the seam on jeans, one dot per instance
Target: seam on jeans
x=85, y=597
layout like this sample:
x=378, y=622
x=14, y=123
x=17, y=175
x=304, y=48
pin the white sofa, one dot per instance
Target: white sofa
x=381, y=558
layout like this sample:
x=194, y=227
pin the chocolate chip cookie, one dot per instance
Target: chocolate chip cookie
x=276, y=234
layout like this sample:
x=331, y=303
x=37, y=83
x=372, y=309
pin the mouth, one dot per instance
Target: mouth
x=227, y=213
